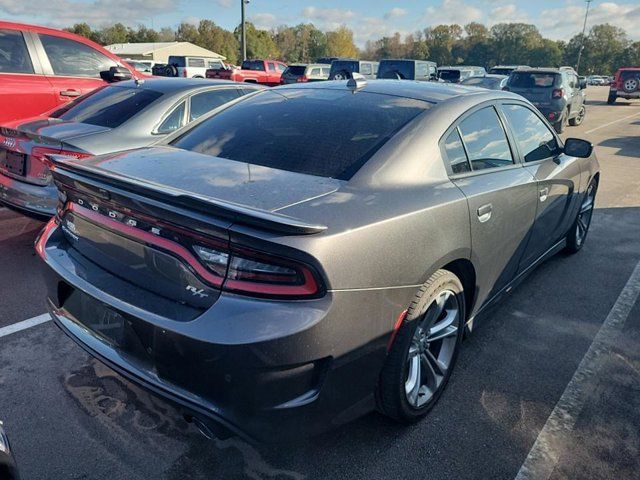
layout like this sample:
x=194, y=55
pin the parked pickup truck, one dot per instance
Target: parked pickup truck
x=265, y=72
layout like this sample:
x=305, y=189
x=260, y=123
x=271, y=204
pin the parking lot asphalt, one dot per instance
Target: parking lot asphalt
x=564, y=345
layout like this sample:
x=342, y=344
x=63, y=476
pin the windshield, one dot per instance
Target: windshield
x=107, y=106
x=449, y=75
x=396, y=70
x=533, y=80
x=274, y=129
x=295, y=70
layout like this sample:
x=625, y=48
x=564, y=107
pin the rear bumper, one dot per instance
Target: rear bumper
x=623, y=94
x=264, y=370
x=31, y=199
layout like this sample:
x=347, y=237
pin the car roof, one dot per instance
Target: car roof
x=172, y=85
x=426, y=91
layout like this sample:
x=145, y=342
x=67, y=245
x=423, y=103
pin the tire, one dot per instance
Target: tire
x=580, y=228
x=397, y=394
x=578, y=119
x=630, y=85
x=342, y=75
x=612, y=98
x=560, y=124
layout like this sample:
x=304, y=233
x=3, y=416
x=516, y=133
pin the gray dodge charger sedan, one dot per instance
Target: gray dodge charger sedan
x=310, y=253
x=120, y=116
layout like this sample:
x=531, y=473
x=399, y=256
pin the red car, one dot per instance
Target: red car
x=626, y=84
x=264, y=72
x=42, y=68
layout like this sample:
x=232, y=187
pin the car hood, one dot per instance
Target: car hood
x=239, y=183
x=54, y=128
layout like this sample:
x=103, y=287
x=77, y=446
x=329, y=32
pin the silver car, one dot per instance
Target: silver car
x=117, y=117
x=277, y=273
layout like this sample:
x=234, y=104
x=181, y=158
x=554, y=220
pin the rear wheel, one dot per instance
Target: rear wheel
x=577, y=120
x=423, y=354
x=630, y=85
x=578, y=232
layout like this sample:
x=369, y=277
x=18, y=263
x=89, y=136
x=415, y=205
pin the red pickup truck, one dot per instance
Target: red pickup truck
x=265, y=72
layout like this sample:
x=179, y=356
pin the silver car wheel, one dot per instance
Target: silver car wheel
x=432, y=348
x=585, y=214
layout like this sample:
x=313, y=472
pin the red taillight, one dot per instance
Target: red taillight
x=39, y=168
x=506, y=89
x=302, y=79
x=552, y=115
x=557, y=93
x=184, y=73
x=257, y=273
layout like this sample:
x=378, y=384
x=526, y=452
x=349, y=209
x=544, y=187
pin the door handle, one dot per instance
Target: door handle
x=69, y=93
x=544, y=193
x=484, y=212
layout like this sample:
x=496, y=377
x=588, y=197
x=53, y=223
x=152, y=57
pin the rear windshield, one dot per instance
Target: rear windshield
x=501, y=71
x=295, y=70
x=484, y=82
x=533, y=80
x=274, y=129
x=108, y=106
x=449, y=75
x=348, y=65
x=177, y=61
x=257, y=65
x=396, y=70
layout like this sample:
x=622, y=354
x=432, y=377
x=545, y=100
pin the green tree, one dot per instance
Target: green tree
x=116, y=33
x=187, y=32
x=166, y=34
x=144, y=35
x=83, y=29
x=548, y=54
x=441, y=41
x=260, y=44
x=340, y=43
x=217, y=39
x=514, y=42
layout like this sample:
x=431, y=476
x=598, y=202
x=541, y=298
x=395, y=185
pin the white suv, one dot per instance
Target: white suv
x=187, y=67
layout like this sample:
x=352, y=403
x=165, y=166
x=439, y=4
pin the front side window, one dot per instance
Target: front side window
x=365, y=68
x=485, y=140
x=456, y=155
x=281, y=67
x=14, y=56
x=204, y=102
x=108, y=106
x=535, y=140
x=173, y=121
x=274, y=129
x=74, y=59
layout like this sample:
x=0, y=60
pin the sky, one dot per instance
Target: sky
x=369, y=19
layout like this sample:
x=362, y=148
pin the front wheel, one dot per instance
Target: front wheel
x=578, y=232
x=424, y=351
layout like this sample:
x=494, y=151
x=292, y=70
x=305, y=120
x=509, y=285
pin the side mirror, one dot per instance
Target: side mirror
x=116, y=74
x=576, y=147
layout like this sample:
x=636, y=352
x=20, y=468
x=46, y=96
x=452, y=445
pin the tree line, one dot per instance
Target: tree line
x=605, y=47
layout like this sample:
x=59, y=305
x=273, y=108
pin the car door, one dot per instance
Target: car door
x=272, y=73
x=24, y=90
x=72, y=67
x=501, y=196
x=557, y=175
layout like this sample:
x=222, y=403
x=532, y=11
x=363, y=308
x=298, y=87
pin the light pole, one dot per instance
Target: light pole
x=584, y=28
x=244, y=30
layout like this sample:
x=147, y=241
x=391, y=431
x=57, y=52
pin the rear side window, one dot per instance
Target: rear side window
x=535, y=140
x=14, y=56
x=195, y=62
x=396, y=70
x=110, y=106
x=272, y=67
x=74, y=59
x=204, y=102
x=173, y=121
x=365, y=69
x=339, y=66
x=274, y=129
x=533, y=80
x=485, y=141
x=450, y=75
x=456, y=155
x=296, y=70
x=257, y=65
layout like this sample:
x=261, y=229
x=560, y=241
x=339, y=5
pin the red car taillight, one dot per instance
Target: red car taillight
x=302, y=79
x=557, y=93
x=40, y=164
x=257, y=273
x=506, y=89
x=184, y=73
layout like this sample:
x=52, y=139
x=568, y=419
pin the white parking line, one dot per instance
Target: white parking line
x=17, y=327
x=554, y=436
x=611, y=123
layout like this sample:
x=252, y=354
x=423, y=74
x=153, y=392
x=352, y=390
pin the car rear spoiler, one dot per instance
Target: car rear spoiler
x=67, y=171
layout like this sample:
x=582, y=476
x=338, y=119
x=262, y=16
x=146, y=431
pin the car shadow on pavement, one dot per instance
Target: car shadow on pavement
x=625, y=146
